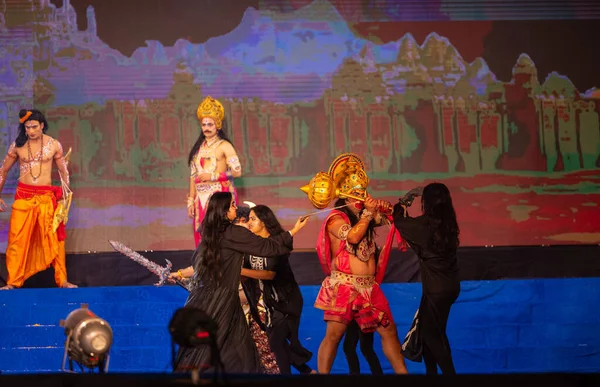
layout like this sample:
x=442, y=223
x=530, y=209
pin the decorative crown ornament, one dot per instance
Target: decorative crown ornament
x=349, y=175
x=211, y=108
x=346, y=179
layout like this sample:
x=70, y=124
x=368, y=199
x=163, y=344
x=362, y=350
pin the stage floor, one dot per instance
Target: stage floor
x=503, y=326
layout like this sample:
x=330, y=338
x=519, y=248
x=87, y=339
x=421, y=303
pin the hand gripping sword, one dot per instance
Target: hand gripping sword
x=154, y=268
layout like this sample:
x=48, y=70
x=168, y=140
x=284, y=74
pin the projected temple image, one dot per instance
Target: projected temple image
x=272, y=187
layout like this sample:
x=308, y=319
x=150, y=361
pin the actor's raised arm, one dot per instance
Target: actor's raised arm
x=414, y=230
x=241, y=239
x=342, y=230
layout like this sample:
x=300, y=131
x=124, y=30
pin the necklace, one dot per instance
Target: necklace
x=31, y=160
x=208, y=144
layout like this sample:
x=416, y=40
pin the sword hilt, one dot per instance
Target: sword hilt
x=164, y=273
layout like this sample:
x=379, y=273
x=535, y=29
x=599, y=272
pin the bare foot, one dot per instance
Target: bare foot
x=313, y=372
x=7, y=287
x=68, y=285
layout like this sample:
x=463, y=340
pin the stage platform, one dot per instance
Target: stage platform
x=502, y=326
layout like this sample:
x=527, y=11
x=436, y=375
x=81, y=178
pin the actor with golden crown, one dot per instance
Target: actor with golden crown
x=213, y=162
x=348, y=254
x=34, y=241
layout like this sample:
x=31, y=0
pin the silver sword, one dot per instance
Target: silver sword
x=154, y=268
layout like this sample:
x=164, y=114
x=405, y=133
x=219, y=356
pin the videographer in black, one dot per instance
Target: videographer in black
x=434, y=238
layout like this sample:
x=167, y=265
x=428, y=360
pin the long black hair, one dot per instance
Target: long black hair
x=354, y=219
x=215, y=222
x=36, y=115
x=437, y=206
x=221, y=133
x=266, y=215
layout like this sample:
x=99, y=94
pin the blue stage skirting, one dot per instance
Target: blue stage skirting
x=513, y=326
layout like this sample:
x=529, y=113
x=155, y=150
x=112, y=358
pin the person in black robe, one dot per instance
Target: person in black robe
x=253, y=303
x=281, y=293
x=434, y=238
x=214, y=290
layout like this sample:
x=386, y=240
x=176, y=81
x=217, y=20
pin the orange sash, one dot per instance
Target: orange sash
x=25, y=191
x=32, y=244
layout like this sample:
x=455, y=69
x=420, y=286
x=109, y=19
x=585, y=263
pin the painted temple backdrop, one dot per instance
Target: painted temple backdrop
x=302, y=82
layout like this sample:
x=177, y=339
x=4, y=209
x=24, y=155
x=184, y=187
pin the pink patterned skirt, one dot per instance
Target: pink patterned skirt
x=267, y=358
x=345, y=297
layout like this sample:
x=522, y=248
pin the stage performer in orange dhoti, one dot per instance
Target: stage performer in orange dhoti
x=34, y=243
x=347, y=252
x=213, y=162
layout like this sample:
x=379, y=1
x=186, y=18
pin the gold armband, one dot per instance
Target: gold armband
x=343, y=231
x=234, y=164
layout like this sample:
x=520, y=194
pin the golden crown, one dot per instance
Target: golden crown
x=211, y=108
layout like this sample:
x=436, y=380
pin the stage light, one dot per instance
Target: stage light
x=191, y=327
x=89, y=339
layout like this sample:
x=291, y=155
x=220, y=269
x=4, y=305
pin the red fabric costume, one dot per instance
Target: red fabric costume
x=344, y=296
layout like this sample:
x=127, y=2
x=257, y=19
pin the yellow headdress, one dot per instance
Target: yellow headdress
x=212, y=108
x=346, y=178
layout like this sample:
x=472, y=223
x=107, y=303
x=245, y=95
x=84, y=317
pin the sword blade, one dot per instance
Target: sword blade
x=154, y=268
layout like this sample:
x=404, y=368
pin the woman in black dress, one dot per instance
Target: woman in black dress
x=434, y=238
x=281, y=293
x=217, y=263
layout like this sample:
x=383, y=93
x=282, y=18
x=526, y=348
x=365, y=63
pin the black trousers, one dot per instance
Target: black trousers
x=434, y=311
x=353, y=336
x=285, y=345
